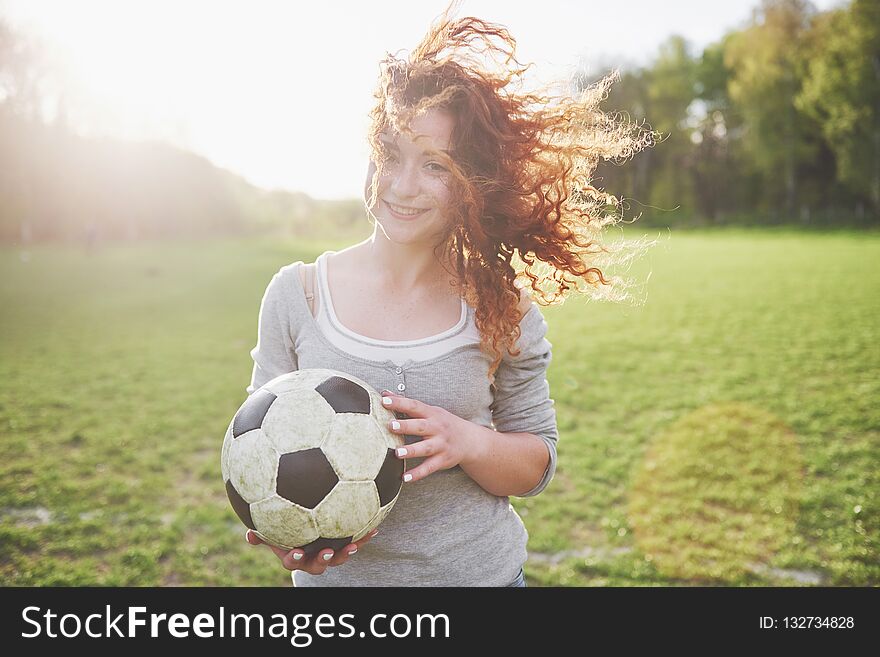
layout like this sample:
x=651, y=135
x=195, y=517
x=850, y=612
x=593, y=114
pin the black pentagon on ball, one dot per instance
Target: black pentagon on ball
x=344, y=396
x=240, y=506
x=253, y=410
x=388, y=481
x=323, y=543
x=305, y=477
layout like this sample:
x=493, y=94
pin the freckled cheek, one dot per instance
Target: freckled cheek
x=440, y=194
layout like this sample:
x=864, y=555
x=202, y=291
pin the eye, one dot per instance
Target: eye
x=439, y=169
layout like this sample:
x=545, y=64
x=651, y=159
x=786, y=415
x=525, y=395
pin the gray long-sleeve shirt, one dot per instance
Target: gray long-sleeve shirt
x=444, y=530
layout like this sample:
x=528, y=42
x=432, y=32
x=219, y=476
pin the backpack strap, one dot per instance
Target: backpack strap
x=309, y=287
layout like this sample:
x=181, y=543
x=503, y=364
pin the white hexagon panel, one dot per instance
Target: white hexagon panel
x=355, y=447
x=283, y=523
x=253, y=465
x=297, y=420
x=383, y=417
x=347, y=509
x=224, y=452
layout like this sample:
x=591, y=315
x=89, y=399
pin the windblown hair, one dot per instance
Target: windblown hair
x=525, y=209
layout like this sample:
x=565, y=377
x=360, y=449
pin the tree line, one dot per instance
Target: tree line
x=776, y=122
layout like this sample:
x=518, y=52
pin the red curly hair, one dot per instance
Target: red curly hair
x=521, y=170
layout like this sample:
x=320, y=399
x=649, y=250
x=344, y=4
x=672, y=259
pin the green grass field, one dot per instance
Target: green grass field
x=725, y=432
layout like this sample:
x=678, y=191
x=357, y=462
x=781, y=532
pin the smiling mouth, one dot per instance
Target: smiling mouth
x=401, y=211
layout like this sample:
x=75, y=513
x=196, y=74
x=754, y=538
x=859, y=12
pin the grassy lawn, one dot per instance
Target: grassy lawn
x=724, y=432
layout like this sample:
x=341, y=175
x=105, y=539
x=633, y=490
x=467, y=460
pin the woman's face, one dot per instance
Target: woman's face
x=413, y=180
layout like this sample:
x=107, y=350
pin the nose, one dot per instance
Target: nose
x=405, y=181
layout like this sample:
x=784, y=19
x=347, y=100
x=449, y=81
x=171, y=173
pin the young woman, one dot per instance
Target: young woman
x=465, y=176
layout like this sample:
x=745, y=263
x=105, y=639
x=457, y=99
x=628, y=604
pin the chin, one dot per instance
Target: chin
x=402, y=235
x=408, y=233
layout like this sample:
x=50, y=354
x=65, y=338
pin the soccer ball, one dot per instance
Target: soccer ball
x=309, y=462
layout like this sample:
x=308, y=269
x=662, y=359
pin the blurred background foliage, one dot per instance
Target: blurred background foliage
x=776, y=123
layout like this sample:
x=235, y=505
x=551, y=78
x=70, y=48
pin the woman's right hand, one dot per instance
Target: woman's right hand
x=317, y=563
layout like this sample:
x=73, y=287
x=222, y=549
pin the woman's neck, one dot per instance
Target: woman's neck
x=400, y=267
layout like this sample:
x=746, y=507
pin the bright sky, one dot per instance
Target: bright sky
x=279, y=91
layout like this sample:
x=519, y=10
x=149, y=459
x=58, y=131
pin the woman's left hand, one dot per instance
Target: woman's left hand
x=447, y=440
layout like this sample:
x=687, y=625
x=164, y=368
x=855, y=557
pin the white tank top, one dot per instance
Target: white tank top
x=464, y=332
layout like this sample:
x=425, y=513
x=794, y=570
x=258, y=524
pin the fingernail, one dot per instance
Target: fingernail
x=297, y=556
x=401, y=451
x=351, y=552
x=328, y=556
x=247, y=536
x=407, y=477
x=385, y=393
x=386, y=401
x=375, y=531
x=395, y=425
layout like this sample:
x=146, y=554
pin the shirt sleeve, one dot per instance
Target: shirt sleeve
x=522, y=402
x=274, y=353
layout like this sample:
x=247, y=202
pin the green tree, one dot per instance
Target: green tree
x=766, y=61
x=714, y=171
x=841, y=91
x=631, y=179
x=658, y=96
x=670, y=92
